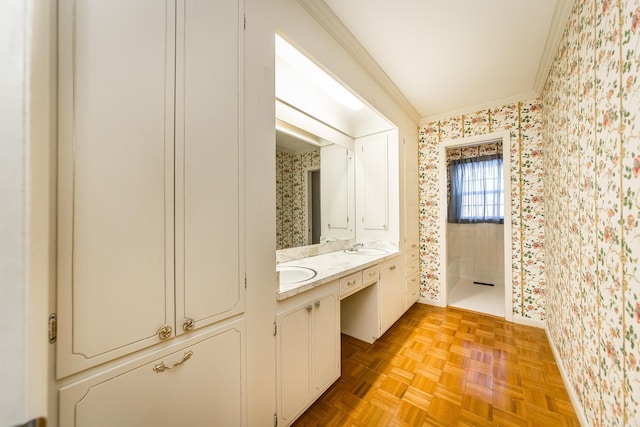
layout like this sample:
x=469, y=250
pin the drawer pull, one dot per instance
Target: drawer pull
x=372, y=273
x=161, y=367
x=393, y=267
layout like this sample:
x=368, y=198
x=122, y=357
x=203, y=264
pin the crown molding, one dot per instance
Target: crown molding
x=479, y=107
x=322, y=13
x=556, y=30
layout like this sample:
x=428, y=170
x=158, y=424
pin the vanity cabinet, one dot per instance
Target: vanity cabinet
x=368, y=313
x=196, y=385
x=307, y=349
x=392, y=294
x=412, y=272
x=149, y=176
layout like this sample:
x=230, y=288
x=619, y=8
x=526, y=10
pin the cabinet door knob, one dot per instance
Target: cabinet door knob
x=188, y=324
x=317, y=304
x=309, y=308
x=165, y=332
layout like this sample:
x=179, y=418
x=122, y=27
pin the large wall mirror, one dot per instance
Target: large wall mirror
x=318, y=123
x=314, y=189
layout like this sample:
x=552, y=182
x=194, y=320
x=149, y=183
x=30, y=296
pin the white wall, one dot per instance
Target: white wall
x=13, y=310
x=27, y=221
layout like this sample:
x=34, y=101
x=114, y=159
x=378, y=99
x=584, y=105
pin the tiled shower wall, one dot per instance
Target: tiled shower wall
x=291, y=201
x=524, y=122
x=591, y=118
x=475, y=252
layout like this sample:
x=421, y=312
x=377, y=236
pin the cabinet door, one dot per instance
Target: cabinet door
x=373, y=180
x=294, y=359
x=203, y=389
x=209, y=148
x=326, y=341
x=115, y=178
x=392, y=293
x=338, y=192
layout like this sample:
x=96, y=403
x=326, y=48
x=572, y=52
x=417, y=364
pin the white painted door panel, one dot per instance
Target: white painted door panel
x=208, y=161
x=326, y=341
x=338, y=192
x=115, y=198
x=294, y=346
x=392, y=293
x=375, y=191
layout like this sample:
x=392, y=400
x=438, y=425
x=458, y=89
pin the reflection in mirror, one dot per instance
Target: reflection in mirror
x=304, y=207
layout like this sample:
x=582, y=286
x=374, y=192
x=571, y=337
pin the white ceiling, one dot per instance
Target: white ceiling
x=451, y=55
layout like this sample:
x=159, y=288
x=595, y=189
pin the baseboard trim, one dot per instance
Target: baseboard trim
x=575, y=401
x=527, y=321
x=429, y=301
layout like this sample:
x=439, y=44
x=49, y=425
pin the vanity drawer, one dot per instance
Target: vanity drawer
x=412, y=255
x=370, y=275
x=412, y=296
x=413, y=281
x=413, y=267
x=351, y=283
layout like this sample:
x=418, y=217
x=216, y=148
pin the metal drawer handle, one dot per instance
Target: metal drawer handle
x=393, y=267
x=161, y=367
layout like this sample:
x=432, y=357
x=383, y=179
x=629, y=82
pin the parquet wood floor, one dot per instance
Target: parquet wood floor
x=446, y=367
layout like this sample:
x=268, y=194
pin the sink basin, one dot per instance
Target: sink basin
x=294, y=274
x=366, y=251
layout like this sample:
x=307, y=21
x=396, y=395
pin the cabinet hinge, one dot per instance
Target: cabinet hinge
x=53, y=327
x=245, y=22
x=275, y=329
x=245, y=280
x=275, y=419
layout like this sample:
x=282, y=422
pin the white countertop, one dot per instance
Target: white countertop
x=331, y=266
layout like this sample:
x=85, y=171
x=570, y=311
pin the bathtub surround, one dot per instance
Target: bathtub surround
x=523, y=121
x=591, y=103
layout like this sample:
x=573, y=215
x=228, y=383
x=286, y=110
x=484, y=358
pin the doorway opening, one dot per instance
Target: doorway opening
x=476, y=258
x=314, y=219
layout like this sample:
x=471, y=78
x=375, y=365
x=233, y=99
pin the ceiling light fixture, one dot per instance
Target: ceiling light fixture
x=290, y=54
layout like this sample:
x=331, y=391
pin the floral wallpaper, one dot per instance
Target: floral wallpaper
x=291, y=197
x=591, y=122
x=523, y=120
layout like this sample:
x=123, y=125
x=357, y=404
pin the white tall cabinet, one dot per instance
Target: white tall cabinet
x=150, y=207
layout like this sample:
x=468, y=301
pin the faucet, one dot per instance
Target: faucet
x=355, y=247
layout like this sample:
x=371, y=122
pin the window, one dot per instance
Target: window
x=476, y=190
